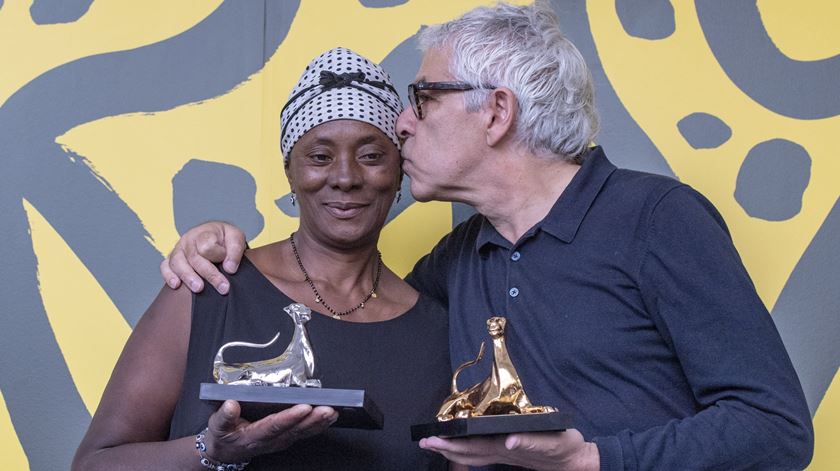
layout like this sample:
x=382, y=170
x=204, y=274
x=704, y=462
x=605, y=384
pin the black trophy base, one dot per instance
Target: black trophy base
x=355, y=408
x=493, y=425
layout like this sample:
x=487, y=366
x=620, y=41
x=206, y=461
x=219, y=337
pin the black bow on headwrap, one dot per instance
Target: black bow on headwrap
x=330, y=80
x=333, y=80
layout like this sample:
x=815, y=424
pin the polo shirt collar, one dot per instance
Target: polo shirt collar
x=565, y=217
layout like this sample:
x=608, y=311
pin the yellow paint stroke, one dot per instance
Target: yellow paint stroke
x=804, y=30
x=661, y=82
x=138, y=154
x=27, y=49
x=88, y=327
x=827, y=430
x=413, y=233
x=10, y=448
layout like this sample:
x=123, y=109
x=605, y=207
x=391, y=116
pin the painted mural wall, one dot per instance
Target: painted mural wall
x=123, y=123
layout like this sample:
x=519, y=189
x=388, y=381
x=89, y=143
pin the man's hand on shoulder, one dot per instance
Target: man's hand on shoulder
x=196, y=252
x=542, y=451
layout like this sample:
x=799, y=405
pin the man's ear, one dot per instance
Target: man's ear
x=503, y=109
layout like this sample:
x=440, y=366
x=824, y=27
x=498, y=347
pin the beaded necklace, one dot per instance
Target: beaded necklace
x=320, y=299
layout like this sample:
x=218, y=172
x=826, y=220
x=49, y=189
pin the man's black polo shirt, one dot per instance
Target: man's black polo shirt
x=629, y=307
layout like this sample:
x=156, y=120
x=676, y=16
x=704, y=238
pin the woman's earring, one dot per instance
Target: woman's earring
x=399, y=196
x=293, y=198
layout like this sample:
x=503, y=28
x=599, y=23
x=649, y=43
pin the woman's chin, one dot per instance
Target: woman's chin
x=350, y=237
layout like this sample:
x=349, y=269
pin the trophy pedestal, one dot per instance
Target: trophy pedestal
x=355, y=408
x=493, y=425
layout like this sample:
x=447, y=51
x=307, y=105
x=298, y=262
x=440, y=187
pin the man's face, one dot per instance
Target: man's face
x=441, y=149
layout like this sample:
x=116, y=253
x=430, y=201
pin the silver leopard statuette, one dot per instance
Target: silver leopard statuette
x=293, y=367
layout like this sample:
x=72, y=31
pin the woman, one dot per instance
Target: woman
x=369, y=329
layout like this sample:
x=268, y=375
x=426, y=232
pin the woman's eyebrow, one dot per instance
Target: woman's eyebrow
x=328, y=141
x=369, y=139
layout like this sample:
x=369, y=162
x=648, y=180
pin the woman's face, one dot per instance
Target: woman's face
x=345, y=174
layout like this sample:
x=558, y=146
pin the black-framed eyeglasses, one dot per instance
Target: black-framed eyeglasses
x=416, y=100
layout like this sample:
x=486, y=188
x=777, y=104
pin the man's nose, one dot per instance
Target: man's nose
x=405, y=123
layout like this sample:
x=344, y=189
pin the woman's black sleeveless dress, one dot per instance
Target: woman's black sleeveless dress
x=402, y=363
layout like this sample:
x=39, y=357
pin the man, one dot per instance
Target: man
x=628, y=305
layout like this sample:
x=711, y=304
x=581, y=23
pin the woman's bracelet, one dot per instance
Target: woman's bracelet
x=210, y=464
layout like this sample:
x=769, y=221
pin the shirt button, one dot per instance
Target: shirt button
x=514, y=292
x=515, y=256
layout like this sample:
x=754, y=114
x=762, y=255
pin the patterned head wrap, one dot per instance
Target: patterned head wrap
x=339, y=84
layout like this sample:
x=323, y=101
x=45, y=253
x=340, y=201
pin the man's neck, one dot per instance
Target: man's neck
x=520, y=193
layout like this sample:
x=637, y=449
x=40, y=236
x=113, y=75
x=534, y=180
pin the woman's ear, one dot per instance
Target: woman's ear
x=286, y=165
x=503, y=108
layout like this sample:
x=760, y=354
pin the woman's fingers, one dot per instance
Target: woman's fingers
x=232, y=439
x=224, y=438
x=314, y=423
x=279, y=431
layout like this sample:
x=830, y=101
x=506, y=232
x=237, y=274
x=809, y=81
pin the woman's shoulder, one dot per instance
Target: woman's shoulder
x=251, y=293
x=255, y=269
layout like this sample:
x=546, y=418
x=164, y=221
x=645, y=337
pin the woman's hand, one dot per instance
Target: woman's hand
x=198, y=249
x=232, y=439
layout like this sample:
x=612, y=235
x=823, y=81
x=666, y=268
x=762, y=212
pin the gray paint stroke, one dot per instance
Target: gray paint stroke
x=704, y=130
x=284, y=204
x=624, y=141
x=70, y=191
x=797, y=89
x=45, y=407
x=203, y=190
x=382, y=3
x=47, y=12
x=739, y=41
x=807, y=312
x=402, y=64
x=646, y=19
x=206, y=61
x=772, y=180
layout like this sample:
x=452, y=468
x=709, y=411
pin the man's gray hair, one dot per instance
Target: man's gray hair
x=522, y=48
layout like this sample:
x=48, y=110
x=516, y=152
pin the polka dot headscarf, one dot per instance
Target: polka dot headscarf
x=339, y=84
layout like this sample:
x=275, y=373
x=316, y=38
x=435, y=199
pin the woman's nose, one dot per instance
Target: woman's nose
x=345, y=173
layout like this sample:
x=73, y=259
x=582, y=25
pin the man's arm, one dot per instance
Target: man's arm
x=752, y=412
x=196, y=252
